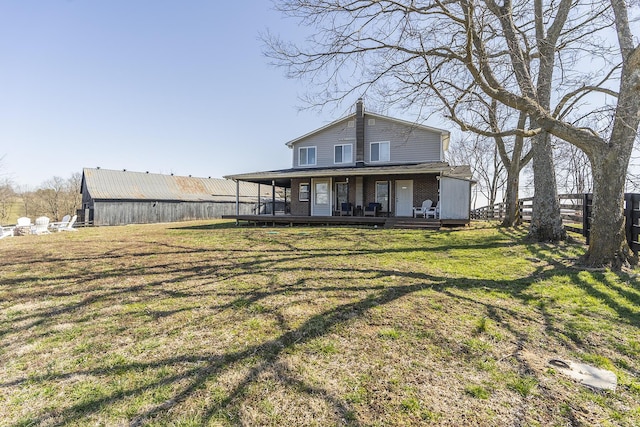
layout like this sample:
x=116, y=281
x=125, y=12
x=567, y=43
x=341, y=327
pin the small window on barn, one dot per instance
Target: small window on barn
x=304, y=192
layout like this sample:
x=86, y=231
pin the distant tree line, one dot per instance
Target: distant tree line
x=54, y=198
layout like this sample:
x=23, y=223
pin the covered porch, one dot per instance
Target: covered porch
x=346, y=195
x=364, y=221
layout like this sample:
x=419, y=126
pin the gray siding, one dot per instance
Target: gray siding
x=408, y=144
x=325, y=141
x=144, y=212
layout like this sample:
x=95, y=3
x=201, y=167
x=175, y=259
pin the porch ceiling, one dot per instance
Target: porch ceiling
x=283, y=177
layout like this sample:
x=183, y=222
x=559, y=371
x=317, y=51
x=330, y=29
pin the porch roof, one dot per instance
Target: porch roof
x=283, y=177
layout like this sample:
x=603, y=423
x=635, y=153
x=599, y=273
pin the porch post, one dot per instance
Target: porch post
x=258, y=213
x=388, y=198
x=237, y=200
x=285, y=200
x=273, y=197
x=348, y=201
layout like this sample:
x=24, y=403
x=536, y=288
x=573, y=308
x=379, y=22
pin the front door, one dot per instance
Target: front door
x=404, y=197
x=321, y=197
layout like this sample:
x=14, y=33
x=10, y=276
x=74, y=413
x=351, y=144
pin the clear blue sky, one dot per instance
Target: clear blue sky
x=163, y=86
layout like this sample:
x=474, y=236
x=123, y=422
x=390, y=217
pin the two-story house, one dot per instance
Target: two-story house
x=364, y=158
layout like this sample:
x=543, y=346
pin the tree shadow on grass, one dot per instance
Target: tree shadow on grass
x=266, y=356
x=213, y=226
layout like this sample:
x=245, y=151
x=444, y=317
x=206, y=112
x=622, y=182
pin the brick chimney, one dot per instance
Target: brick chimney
x=359, y=133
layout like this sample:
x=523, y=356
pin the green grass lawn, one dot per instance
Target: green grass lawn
x=196, y=324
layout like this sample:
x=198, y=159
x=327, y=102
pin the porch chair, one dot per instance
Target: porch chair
x=23, y=226
x=422, y=210
x=69, y=226
x=56, y=226
x=6, y=232
x=433, y=211
x=41, y=226
x=346, y=209
x=372, y=209
x=23, y=221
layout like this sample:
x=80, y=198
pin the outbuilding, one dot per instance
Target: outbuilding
x=119, y=197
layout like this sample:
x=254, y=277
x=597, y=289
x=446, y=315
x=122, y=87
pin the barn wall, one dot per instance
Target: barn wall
x=147, y=212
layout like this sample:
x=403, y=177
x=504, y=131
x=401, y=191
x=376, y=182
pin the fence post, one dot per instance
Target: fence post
x=520, y=208
x=631, y=213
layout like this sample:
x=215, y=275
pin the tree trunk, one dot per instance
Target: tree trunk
x=608, y=241
x=512, y=208
x=546, y=222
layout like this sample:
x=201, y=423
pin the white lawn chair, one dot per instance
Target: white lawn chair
x=69, y=226
x=433, y=211
x=41, y=226
x=422, y=210
x=56, y=226
x=23, y=221
x=23, y=226
x=6, y=232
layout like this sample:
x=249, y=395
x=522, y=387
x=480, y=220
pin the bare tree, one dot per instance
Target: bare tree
x=51, y=197
x=481, y=154
x=527, y=55
x=26, y=196
x=7, y=199
x=573, y=169
x=73, y=197
x=493, y=118
x=57, y=196
x=7, y=193
x=515, y=157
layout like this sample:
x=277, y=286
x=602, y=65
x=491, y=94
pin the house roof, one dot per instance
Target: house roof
x=445, y=133
x=282, y=177
x=106, y=184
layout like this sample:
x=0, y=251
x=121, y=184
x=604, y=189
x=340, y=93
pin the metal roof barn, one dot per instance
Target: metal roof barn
x=116, y=197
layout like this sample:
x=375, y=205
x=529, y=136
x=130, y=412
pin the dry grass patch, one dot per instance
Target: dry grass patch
x=210, y=324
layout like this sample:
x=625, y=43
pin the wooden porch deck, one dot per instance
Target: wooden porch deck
x=379, y=221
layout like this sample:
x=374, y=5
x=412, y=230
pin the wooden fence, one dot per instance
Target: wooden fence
x=575, y=210
x=571, y=209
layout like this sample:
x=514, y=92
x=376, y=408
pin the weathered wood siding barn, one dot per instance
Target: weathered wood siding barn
x=118, y=197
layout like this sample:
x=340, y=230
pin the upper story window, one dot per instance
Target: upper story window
x=343, y=153
x=380, y=152
x=307, y=156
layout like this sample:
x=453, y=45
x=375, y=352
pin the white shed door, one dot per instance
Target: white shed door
x=455, y=198
x=404, y=197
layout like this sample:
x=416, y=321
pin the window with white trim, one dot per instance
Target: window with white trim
x=303, y=194
x=307, y=156
x=380, y=152
x=342, y=153
x=322, y=193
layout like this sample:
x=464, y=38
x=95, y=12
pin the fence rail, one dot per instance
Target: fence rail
x=575, y=210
